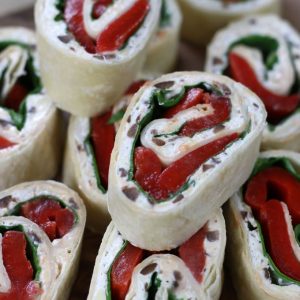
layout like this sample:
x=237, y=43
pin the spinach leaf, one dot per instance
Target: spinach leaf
x=155, y=283
x=266, y=44
x=297, y=233
x=171, y=296
x=116, y=117
x=60, y=6
x=90, y=151
x=165, y=97
x=165, y=15
x=266, y=162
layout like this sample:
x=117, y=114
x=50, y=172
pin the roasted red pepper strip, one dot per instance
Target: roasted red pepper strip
x=103, y=138
x=193, y=254
x=55, y=220
x=280, y=184
x=4, y=143
x=74, y=19
x=277, y=106
x=16, y=96
x=135, y=87
x=120, y=30
x=122, y=270
x=159, y=182
x=278, y=240
x=221, y=107
x=194, y=96
x=100, y=7
x=264, y=193
x=18, y=267
x=191, y=98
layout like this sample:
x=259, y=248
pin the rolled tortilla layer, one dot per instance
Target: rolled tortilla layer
x=170, y=270
x=87, y=82
x=163, y=49
x=255, y=275
x=202, y=18
x=269, y=46
x=32, y=131
x=64, y=250
x=81, y=166
x=156, y=217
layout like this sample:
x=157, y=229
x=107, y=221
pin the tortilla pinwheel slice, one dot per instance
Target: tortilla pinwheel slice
x=91, y=51
x=263, y=54
x=30, y=139
x=192, y=271
x=263, y=219
x=87, y=158
x=61, y=215
x=163, y=49
x=202, y=18
x=183, y=139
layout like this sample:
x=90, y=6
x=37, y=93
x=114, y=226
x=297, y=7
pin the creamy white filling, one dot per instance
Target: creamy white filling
x=292, y=237
x=281, y=78
x=121, y=105
x=5, y=282
x=171, y=270
x=113, y=12
x=38, y=110
x=83, y=158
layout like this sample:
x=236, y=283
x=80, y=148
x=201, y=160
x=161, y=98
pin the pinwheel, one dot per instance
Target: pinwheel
x=202, y=18
x=263, y=54
x=30, y=140
x=264, y=221
x=87, y=157
x=91, y=51
x=191, y=271
x=40, y=258
x=163, y=49
x=183, y=139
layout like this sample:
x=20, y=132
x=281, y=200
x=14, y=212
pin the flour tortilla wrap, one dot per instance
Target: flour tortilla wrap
x=33, y=131
x=65, y=250
x=202, y=18
x=252, y=272
x=278, y=75
x=169, y=221
x=170, y=269
x=81, y=170
x=85, y=83
x=163, y=49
